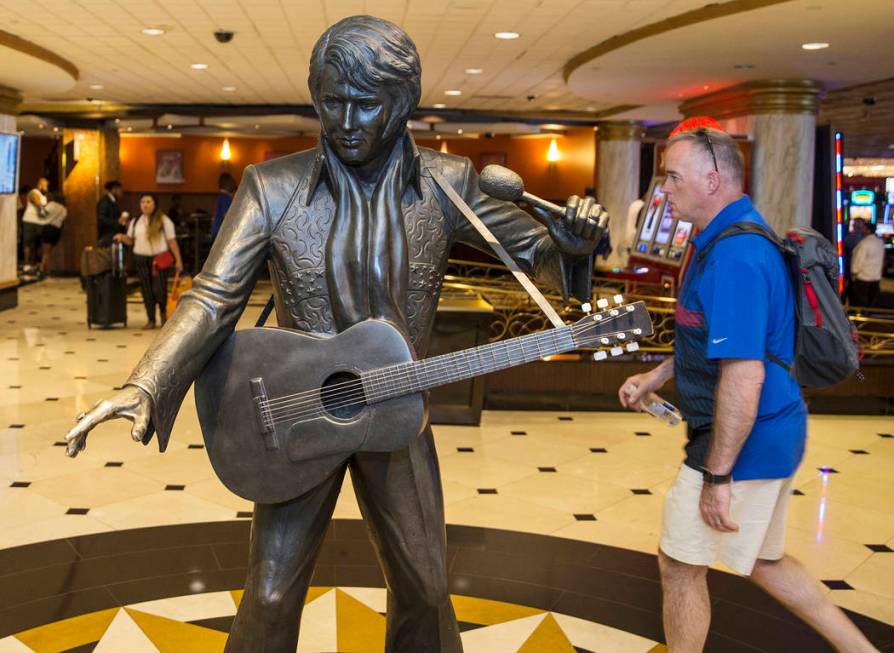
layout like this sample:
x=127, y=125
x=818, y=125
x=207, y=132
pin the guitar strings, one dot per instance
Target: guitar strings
x=393, y=369
x=311, y=410
x=298, y=411
x=389, y=373
x=349, y=389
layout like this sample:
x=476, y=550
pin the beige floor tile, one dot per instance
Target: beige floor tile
x=20, y=506
x=95, y=487
x=638, y=537
x=43, y=530
x=508, y=513
x=180, y=467
x=213, y=491
x=566, y=492
x=190, y=607
x=596, y=637
x=840, y=520
x=875, y=576
x=12, y=645
x=827, y=557
x=872, y=605
x=841, y=488
x=159, y=509
x=477, y=473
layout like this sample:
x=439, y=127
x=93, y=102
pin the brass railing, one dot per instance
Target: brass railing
x=516, y=314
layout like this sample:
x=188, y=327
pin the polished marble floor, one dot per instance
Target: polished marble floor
x=595, y=478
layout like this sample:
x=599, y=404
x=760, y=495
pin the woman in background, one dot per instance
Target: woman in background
x=55, y=214
x=154, y=243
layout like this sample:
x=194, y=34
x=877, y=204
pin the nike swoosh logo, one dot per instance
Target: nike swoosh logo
x=717, y=341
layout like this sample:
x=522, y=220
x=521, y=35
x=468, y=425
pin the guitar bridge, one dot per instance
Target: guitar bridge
x=263, y=413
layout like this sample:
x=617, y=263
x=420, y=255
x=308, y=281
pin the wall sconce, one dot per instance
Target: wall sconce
x=444, y=147
x=225, y=151
x=552, y=155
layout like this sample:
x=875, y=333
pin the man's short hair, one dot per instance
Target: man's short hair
x=112, y=185
x=869, y=227
x=727, y=152
x=370, y=53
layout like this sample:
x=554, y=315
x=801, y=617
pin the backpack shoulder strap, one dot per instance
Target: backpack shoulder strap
x=739, y=228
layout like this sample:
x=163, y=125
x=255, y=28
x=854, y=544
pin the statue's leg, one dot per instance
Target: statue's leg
x=401, y=500
x=285, y=540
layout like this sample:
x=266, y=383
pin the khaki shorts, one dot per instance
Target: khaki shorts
x=758, y=507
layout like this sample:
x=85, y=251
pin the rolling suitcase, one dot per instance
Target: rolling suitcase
x=106, y=300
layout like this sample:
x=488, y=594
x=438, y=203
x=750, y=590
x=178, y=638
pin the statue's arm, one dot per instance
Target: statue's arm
x=528, y=241
x=207, y=314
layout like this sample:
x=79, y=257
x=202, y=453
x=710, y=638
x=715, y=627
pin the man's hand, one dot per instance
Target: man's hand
x=638, y=386
x=130, y=403
x=714, y=506
x=580, y=231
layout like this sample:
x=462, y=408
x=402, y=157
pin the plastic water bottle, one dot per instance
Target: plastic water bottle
x=661, y=409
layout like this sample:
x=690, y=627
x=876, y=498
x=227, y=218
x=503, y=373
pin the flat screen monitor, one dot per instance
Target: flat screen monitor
x=9, y=163
x=866, y=213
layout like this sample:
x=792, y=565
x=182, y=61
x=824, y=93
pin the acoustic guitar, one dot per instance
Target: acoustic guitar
x=280, y=409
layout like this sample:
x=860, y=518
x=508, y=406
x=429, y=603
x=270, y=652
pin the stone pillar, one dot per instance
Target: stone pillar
x=780, y=117
x=9, y=280
x=81, y=188
x=617, y=179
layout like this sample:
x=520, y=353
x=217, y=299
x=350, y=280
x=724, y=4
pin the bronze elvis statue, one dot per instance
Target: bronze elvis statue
x=354, y=229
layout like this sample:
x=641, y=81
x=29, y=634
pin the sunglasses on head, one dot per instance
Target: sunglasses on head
x=704, y=134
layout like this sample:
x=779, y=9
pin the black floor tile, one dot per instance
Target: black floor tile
x=15, y=387
x=196, y=446
x=244, y=514
x=797, y=493
x=19, y=617
x=465, y=449
x=102, y=360
x=80, y=378
x=546, y=469
x=642, y=434
x=837, y=584
x=598, y=450
x=77, y=511
x=519, y=432
x=223, y=624
x=487, y=490
x=85, y=648
x=16, y=426
x=880, y=548
x=114, y=463
x=827, y=470
x=641, y=491
x=175, y=488
x=60, y=443
x=20, y=484
x=52, y=399
x=566, y=419
x=862, y=452
x=584, y=517
x=886, y=435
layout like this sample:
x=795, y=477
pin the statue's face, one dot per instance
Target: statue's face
x=356, y=122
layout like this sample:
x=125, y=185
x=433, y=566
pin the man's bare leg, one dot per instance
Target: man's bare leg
x=788, y=582
x=686, y=607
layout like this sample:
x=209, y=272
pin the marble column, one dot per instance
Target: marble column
x=617, y=179
x=9, y=281
x=779, y=116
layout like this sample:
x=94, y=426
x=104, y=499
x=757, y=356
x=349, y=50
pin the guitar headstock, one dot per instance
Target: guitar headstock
x=616, y=327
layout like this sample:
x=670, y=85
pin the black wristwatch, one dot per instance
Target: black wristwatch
x=710, y=478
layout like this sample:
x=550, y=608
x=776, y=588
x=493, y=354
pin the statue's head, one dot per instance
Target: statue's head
x=365, y=81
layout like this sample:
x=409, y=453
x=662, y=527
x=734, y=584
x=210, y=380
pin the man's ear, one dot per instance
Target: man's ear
x=713, y=182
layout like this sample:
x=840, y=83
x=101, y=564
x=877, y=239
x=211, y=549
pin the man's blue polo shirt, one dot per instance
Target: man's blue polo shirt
x=737, y=303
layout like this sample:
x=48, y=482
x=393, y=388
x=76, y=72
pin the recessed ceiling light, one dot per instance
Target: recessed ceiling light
x=815, y=46
x=228, y=89
x=170, y=126
x=153, y=31
x=459, y=131
x=453, y=91
x=55, y=129
x=117, y=121
x=507, y=36
x=198, y=66
x=474, y=71
x=440, y=105
x=891, y=146
x=130, y=129
x=97, y=87
x=257, y=126
x=40, y=125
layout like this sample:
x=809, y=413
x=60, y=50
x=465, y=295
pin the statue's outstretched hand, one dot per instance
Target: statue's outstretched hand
x=130, y=402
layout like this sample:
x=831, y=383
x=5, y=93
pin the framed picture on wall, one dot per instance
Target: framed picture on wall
x=487, y=158
x=169, y=167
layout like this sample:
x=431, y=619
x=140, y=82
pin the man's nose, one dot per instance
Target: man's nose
x=347, y=119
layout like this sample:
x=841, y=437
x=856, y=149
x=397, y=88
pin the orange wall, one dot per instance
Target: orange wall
x=575, y=170
x=201, y=160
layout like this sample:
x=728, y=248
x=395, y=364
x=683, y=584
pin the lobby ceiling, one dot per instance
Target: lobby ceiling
x=651, y=54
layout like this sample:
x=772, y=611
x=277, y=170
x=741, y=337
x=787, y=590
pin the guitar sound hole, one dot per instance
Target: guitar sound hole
x=341, y=398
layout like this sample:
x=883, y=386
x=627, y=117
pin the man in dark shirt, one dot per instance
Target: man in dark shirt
x=746, y=418
x=110, y=219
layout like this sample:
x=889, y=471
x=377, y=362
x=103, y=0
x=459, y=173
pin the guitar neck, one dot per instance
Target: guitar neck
x=405, y=378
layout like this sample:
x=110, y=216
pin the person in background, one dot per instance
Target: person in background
x=56, y=212
x=33, y=221
x=150, y=235
x=867, y=265
x=851, y=240
x=174, y=209
x=110, y=219
x=226, y=185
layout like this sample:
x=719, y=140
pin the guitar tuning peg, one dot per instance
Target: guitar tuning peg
x=600, y=356
x=618, y=299
x=613, y=313
x=616, y=351
x=586, y=307
x=621, y=336
x=604, y=341
x=602, y=304
x=629, y=308
x=637, y=332
x=632, y=347
x=598, y=317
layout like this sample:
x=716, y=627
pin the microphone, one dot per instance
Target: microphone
x=504, y=184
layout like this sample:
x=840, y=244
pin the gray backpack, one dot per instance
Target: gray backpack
x=827, y=348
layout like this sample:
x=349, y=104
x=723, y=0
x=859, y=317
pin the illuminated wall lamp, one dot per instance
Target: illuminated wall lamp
x=552, y=155
x=225, y=153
